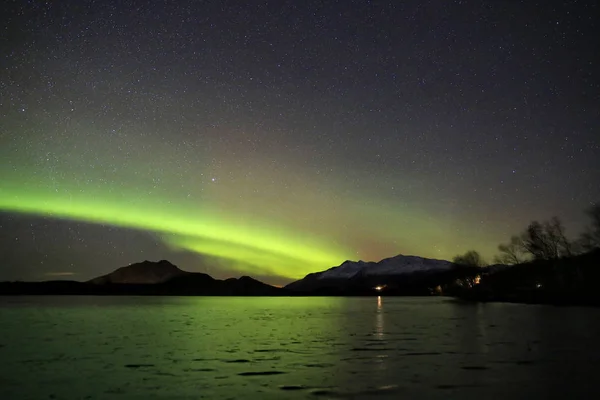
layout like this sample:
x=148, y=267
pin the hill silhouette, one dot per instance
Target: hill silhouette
x=147, y=278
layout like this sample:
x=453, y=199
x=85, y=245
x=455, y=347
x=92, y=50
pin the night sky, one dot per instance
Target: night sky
x=275, y=139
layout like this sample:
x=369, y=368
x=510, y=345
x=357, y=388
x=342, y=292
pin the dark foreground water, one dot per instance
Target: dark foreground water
x=292, y=348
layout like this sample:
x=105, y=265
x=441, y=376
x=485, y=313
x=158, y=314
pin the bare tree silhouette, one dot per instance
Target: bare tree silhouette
x=546, y=241
x=512, y=252
x=590, y=238
x=470, y=258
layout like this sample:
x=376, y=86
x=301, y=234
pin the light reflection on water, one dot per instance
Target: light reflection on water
x=358, y=348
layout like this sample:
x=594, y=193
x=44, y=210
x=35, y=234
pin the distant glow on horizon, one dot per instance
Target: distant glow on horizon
x=59, y=274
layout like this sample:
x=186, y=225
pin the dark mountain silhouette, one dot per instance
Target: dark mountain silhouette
x=146, y=272
x=147, y=278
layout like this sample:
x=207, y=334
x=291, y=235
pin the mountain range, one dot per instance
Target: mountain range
x=147, y=278
x=408, y=275
x=399, y=275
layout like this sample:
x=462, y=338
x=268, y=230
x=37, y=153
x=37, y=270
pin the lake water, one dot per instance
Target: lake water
x=294, y=348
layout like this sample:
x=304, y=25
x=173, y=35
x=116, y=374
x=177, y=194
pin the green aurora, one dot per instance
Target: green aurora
x=300, y=221
x=191, y=230
x=279, y=141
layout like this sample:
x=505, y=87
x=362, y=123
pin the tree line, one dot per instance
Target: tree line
x=541, y=241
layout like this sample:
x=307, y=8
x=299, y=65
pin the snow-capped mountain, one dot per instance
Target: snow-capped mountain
x=397, y=265
x=366, y=274
x=346, y=270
